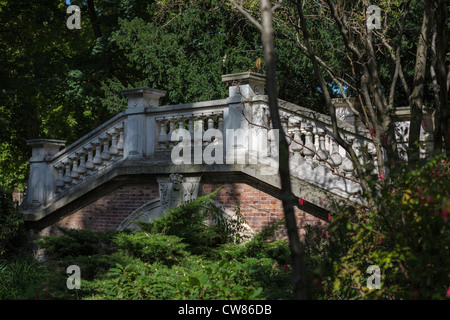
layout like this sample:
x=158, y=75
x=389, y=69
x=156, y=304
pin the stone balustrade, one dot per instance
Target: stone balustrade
x=145, y=133
x=88, y=158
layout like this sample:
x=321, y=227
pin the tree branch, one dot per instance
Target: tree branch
x=247, y=15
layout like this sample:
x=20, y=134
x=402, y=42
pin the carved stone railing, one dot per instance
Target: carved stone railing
x=54, y=173
x=86, y=158
x=314, y=154
x=310, y=138
x=141, y=132
x=146, y=133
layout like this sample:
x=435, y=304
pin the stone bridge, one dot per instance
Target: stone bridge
x=140, y=162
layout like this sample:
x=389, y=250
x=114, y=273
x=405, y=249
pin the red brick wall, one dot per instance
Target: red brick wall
x=257, y=207
x=109, y=211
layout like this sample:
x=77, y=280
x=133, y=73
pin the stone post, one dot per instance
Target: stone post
x=242, y=87
x=140, y=131
x=41, y=186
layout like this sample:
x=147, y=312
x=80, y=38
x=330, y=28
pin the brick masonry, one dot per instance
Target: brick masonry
x=257, y=207
x=107, y=212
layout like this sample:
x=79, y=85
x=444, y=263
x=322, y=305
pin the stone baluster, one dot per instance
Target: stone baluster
x=121, y=139
x=162, y=137
x=329, y=144
x=113, y=151
x=273, y=139
x=67, y=176
x=335, y=157
x=181, y=125
x=191, y=120
x=316, y=139
x=199, y=128
x=210, y=122
x=373, y=153
x=322, y=153
x=297, y=146
x=60, y=180
x=105, y=153
x=285, y=125
x=191, y=125
x=310, y=149
x=81, y=154
x=171, y=129
x=347, y=164
x=89, y=162
x=74, y=173
x=97, y=158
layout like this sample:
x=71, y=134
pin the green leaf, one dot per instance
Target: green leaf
x=194, y=281
x=256, y=293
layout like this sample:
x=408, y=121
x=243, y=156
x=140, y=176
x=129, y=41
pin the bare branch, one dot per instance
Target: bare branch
x=247, y=15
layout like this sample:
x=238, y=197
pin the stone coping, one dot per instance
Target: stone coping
x=244, y=77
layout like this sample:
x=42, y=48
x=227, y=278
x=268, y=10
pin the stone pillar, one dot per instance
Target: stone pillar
x=41, y=185
x=249, y=83
x=139, y=130
x=241, y=88
x=143, y=97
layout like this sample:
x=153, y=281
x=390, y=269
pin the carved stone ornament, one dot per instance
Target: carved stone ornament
x=176, y=190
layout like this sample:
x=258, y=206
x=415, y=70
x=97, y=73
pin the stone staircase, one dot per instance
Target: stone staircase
x=231, y=136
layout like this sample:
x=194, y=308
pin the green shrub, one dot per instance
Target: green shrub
x=94, y=252
x=10, y=220
x=150, y=247
x=21, y=278
x=73, y=243
x=194, y=278
x=178, y=256
x=200, y=223
x=406, y=235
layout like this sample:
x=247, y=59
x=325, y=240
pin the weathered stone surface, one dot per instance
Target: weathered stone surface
x=137, y=144
x=176, y=190
x=145, y=213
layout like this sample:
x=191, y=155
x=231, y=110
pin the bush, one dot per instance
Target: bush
x=21, y=278
x=152, y=248
x=10, y=220
x=74, y=243
x=94, y=252
x=178, y=256
x=200, y=223
x=193, y=278
x=406, y=235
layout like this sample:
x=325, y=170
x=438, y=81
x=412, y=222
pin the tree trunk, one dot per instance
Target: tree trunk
x=442, y=113
x=416, y=98
x=296, y=246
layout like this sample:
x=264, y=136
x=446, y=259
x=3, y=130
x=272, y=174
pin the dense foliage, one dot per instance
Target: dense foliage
x=182, y=255
x=60, y=84
x=10, y=220
x=185, y=254
x=407, y=237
